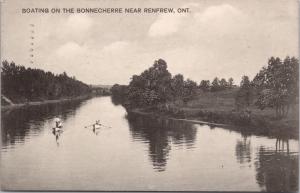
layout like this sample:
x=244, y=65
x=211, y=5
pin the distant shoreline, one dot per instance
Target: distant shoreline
x=44, y=102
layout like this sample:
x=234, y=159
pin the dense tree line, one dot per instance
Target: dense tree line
x=157, y=86
x=216, y=85
x=22, y=84
x=275, y=86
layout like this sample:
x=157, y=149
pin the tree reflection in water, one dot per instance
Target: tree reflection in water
x=17, y=123
x=277, y=170
x=243, y=150
x=160, y=133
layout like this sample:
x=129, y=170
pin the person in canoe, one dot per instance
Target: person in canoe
x=97, y=125
x=58, y=124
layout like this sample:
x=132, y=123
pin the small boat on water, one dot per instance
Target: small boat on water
x=57, y=129
x=96, y=126
x=58, y=125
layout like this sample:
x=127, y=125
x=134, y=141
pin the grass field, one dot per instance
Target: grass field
x=225, y=101
x=219, y=107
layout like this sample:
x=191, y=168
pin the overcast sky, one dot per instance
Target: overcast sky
x=224, y=38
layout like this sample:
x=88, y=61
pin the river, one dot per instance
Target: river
x=136, y=153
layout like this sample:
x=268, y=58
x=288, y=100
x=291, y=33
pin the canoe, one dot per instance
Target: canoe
x=56, y=129
x=96, y=126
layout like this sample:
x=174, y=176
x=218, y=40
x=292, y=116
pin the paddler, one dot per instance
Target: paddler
x=97, y=124
x=58, y=123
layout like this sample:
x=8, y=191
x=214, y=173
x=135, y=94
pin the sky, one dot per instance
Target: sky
x=216, y=38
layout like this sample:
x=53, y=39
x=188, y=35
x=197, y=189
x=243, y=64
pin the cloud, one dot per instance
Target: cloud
x=216, y=13
x=116, y=46
x=94, y=63
x=78, y=23
x=67, y=57
x=222, y=18
x=224, y=40
x=75, y=28
x=170, y=23
x=70, y=49
x=217, y=17
x=165, y=25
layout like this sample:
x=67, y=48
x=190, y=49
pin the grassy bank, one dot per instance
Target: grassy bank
x=219, y=108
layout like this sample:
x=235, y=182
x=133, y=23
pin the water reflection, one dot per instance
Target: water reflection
x=96, y=131
x=182, y=156
x=117, y=100
x=16, y=124
x=280, y=145
x=243, y=149
x=159, y=134
x=277, y=170
x=57, y=135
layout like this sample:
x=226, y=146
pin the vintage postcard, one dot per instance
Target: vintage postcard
x=150, y=95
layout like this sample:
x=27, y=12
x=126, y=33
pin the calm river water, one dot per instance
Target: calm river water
x=136, y=153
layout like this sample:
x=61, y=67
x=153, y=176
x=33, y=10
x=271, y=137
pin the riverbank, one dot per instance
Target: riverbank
x=43, y=102
x=256, y=124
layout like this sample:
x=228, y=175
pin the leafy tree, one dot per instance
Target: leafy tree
x=215, y=85
x=190, y=89
x=223, y=84
x=244, y=95
x=218, y=85
x=230, y=82
x=153, y=86
x=245, y=82
x=177, y=85
x=277, y=85
x=205, y=85
x=156, y=86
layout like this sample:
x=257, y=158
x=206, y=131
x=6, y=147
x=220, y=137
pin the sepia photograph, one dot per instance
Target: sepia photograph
x=149, y=95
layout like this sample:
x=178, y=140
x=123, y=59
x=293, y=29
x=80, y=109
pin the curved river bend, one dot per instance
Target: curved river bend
x=136, y=153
